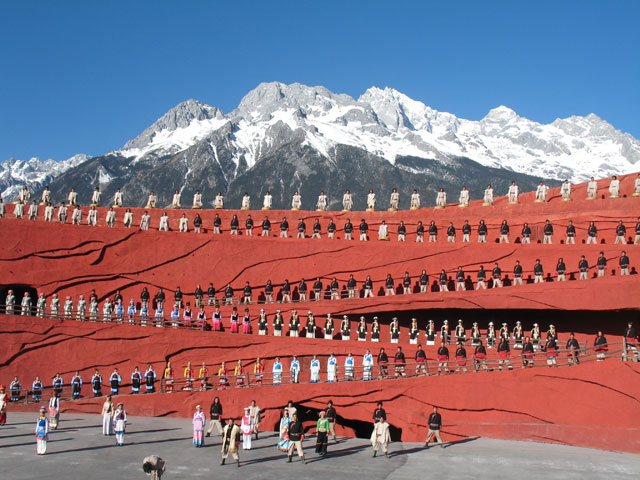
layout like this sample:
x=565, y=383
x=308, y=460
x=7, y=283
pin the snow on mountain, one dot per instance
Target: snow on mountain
x=389, y=124
x=34, y=173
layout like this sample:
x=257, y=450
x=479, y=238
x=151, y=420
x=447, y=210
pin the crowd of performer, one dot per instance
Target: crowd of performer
x=316, y=230
x=451, y=353
x=322, y=203
x=181, y=314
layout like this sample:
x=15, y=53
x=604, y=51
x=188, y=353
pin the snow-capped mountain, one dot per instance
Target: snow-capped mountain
x=389, y=124
x=34, y=173
x=285, y=138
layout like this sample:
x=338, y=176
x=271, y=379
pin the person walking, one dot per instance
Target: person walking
x=435, y=423
x=296, y=436
x=322, y=430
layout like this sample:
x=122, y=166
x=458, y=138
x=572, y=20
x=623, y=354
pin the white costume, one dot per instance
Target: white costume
x=415, y=200
x=145, y=221
x=62, y=213
x=347, y=201
x=175, y=203
x=441, y=199
x=246, y=426
x=92, y=217
x=72, y=198
x=33, y=211
x=152, y=200
x=46, y=196
x=614, y=188
x=18, y=210
x=332, y=366
x=197, y=200
x=636, y=186
x=128, y=219
x=219, y=201
x=512, y=194
x=246, y=202
x=592, y=189
x=76, y=217
x=565, y=190
x=541, y=193
x=95, y=198
x=267, y=202
x=488, y=196
x=111, y=217
x=117, y=199
x=48, y=213
x=296, y=202
x=184, y=224
x=464, y=197
x=383, y=232
x=322, y=202
x=394, y=201
x=164, y=223
x=371, y=201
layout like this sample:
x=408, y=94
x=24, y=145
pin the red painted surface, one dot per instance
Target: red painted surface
x=592, y=405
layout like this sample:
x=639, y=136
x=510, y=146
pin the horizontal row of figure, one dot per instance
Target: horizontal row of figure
x=322, y=203
x=207, y=377
x=184, y=225
x=116, y=309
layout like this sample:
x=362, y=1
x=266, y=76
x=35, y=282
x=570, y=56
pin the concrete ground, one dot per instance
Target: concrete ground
x=79, y=450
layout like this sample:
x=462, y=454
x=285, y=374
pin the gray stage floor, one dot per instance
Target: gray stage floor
x=77, y=450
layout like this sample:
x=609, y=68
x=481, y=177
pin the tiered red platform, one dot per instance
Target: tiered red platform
x=589, y=405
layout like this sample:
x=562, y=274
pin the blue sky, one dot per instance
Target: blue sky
x=84, y=77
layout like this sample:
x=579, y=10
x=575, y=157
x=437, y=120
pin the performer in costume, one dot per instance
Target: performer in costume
x=230, y=437
x=150, y=380
x=76, y=385
x=314, y=367
x=107, y=416
x=322, y=429
x=283, y=438
x=168, y=377
x=332, y=367
x=119, y=424
x=246, y=426
x=54, y=411
x=198, y=422
x=42, y=432
x=3, y=406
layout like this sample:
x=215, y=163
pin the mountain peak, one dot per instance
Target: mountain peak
x=180, y=116
x=501, y=114
x=269, y=97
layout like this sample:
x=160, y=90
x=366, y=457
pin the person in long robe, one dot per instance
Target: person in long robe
x=199, y=421
x=54, y=411
x=107, y=417
x=42, y=432
x=246, y=426
x=119, y=424
x=3, y=406
x=283, y=439
x=380, y=437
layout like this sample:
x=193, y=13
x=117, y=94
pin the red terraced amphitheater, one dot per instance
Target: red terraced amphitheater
x=594, y=404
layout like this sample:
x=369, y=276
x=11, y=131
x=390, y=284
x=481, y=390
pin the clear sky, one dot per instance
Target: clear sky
x=85, y=77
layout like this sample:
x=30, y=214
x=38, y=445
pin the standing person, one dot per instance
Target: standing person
x=294, y=370
x=276, y=372
x=283, y=438
x=215, y=416
x=107, y=414
x=296, y=436
x=330, y=413
x=230, y=437
x=120, y=423
x=254, y=412
x=198, y=422
x=322, y=429
x=380, y=436
x=332, y=369
x=314, y=368
x=435, y=423
x=54, y=410
x=115, y=380
x=3, y=406
x=96, y=383
x=42, y=432
x=383, y=362
x=150, y=379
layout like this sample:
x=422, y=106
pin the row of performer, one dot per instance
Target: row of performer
x=513, y=194
x=182, y=314
x=203, y=379
x=383, y=233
